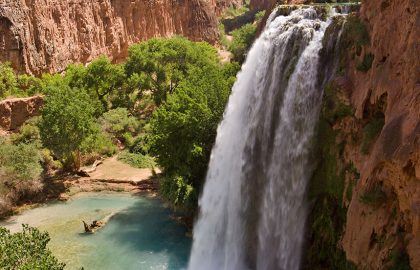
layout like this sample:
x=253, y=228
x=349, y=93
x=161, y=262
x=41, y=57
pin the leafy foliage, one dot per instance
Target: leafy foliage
x=8, y=83
x=159, y=65
x=26, y=250
x=183, y=129
x=19, y=163
x=66, y=122
x=119, y=123
x=29, y=133
x=137, y=160
x=371, y=131
x=366, y=63
x=242, y=40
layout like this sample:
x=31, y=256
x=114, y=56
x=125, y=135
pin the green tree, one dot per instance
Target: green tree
x=103, y=81
x=26, y=250
x=242, y=40
x=67, y=120
x=159, y=65
x=8, y=83
x=183, y=130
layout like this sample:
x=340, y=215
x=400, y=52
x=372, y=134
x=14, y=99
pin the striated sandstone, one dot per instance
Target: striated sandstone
x=393, y=163
x=46, y=35
x=268, y=4
x=14, y=112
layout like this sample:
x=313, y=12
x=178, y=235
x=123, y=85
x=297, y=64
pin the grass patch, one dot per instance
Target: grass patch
x=366, y=63
x=137, y=160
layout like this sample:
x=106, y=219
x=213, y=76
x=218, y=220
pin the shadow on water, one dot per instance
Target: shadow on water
x=147, y=227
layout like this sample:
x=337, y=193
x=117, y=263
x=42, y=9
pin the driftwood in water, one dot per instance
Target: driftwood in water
x=96, y=224
x=85, y=172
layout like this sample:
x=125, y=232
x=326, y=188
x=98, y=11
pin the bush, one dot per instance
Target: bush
x=140, y=145
x=118, y=123
x=178, y=192
x=367, y=63
x=98, y=142
x=19, y=162
x=28, y=133
x=373, y=196
x=242, y=40
x=8, y=83
x=355, y=33
x=370, y=132
x=26, y=250
x=137, y=160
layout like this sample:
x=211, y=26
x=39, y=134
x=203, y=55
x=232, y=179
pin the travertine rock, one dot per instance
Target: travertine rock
x=14, y=112
x=46, y=35
x=267, y=4
x=394, y=159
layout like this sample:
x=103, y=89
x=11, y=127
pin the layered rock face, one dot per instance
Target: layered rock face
x=46, y=35
x=221, y=5
x=14, y=112
x=392, y=167
x=267, y=4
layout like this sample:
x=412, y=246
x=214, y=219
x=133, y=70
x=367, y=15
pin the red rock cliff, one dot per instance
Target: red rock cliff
x=46, y=35
x=15, y=111
x=393, y=163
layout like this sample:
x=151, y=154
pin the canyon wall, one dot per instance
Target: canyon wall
x=391, y=169
x=46, y=35
x=267, y=4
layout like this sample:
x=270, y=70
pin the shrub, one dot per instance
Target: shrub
x=28, y=133
x=26, y=250
x=367, y=63
x=355, y=33
x=140, y=145
x=243, y=38
x=178, y=192
x=137, y=160
x=19, y=162
x=98, y=142
x=8, y=83
x=118, y=123
x=399, y=260
x=370, y=132
x=373, y=196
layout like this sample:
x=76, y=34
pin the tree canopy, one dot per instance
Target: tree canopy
x=67, y=119
x=26, y=250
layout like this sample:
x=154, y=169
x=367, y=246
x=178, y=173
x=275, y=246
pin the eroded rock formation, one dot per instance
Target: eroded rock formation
x=392, y=166
x=46, y=35
x=14, y=112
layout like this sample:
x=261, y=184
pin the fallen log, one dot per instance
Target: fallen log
x=96, y=224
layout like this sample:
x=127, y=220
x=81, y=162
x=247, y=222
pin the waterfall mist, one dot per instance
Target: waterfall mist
x=253, y=206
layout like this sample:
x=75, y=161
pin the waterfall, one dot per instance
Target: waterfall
x=253, y=207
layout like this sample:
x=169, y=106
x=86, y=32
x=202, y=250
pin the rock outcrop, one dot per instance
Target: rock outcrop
x=392, y=166
x=46, y=35
x=267, y=4
x=14, y=112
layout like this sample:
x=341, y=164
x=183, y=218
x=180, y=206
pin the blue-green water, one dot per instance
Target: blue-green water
x=140, y=234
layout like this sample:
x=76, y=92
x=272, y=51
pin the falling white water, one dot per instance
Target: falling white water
x=253, y=207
